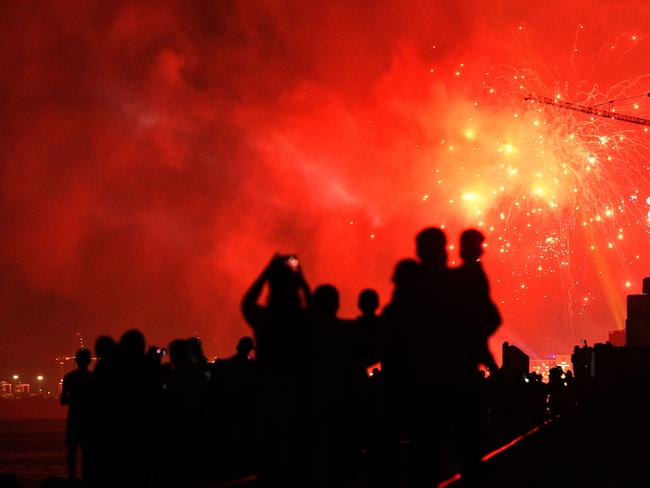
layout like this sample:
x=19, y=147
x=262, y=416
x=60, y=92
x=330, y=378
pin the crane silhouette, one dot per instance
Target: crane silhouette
x=593, y=110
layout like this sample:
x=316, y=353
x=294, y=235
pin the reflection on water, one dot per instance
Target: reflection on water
x=33, y=449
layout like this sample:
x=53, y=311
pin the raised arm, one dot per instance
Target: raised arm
x=249, y=305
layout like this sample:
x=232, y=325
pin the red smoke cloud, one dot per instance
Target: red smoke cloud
x=154, y=155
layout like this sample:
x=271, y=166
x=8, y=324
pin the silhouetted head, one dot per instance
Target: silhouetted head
x=195, y=350
x=132, y=344
x=368, y=302
x=179, y=352
x=245, y=346
x=406, y=273
x=82, y=358
x=431, y=247
x=325, y=301
x=471, y=245
x=284, y=284
x=105, y=347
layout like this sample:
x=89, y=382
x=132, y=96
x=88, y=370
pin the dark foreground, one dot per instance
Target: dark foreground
x=32, y=449
x=563, y=452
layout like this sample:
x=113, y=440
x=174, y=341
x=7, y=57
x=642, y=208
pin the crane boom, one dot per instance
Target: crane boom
x=588, y=110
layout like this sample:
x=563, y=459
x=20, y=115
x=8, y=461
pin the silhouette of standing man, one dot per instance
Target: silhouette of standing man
x=480, y=317
x=418, y=349
x=281, y=329
x=76, y=394
x=475, y=318
x=432, y=350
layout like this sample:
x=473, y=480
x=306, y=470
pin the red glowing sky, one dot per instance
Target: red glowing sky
x=155, y=154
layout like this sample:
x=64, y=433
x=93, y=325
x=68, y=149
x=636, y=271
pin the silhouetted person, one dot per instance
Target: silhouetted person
x=106, y=351
x=245, y=347
x=338, y=379
x=234, y=389
x=103, y=442
x=399, y=319
x=479, y=316
x=475, y=318
x=76, y=394
x=368, y=325
x=186, y=394
x=281, y=329
x=431, y=249
x=431, y=331
x=241, y=363
x=280, y=324
x=431, y=349
x=327, y=387
x=557, y=387
x=197, y=356
x=368, y=328
x=237, y=374
x=135, y=412
x=368, y=303
x=368, y=342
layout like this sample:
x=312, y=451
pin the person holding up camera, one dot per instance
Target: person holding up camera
x=281, y=334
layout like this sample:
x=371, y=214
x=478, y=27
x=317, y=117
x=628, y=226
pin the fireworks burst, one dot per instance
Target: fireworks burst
x=564, y=197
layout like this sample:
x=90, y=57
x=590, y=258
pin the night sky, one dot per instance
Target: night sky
x=154, y=155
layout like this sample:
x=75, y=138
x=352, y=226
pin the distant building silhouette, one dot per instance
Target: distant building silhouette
x=637, y=324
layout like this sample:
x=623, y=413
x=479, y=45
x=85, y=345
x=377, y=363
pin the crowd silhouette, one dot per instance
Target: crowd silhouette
x=397, y=397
